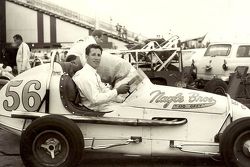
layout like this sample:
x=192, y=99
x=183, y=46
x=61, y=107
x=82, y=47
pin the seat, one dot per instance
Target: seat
x=69, y=94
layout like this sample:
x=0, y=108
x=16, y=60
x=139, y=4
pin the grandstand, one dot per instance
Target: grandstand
x=55, y=15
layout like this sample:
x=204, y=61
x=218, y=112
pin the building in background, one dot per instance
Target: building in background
x=46, y=25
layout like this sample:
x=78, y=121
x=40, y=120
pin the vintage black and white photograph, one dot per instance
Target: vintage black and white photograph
x=124, y=83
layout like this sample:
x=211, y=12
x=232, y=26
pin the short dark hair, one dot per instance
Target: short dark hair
x=70, y=58
x=95, y=46
x=18, y=36
x=97, y=33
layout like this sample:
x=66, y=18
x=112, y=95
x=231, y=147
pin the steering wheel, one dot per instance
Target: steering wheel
x=131, y=82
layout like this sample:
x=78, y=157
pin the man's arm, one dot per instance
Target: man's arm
x=89, y=89
x=26, y=56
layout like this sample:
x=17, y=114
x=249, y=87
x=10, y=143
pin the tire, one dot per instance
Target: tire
x=216, y=86
x=48, y=133
x=200, y=83
x=232, y=143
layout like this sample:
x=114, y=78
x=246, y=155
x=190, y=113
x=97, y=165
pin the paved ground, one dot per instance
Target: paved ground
x=9, y=157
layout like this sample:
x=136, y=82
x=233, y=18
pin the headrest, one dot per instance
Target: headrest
x=70, y=68
x=69, y=88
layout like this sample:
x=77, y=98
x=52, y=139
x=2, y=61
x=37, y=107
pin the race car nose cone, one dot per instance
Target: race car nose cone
x=246, y=148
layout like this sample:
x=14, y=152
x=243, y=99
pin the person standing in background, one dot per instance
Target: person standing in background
x=23, y=54
x=78, y=48
x=119, y=29
x=124, y=32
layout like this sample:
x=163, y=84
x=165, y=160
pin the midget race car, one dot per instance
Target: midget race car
x=40, y=105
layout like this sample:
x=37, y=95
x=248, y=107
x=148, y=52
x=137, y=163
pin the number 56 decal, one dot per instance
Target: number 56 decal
x=26, y=95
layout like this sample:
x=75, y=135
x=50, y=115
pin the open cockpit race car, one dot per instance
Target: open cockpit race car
x=154, y=120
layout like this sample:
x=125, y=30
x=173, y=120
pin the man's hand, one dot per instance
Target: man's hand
x=22, y=71
x=124, y=88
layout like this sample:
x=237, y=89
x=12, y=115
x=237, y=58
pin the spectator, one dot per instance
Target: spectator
x=23, y=54
x=124, y=32
x=137, y=38
x=118, y=29
x=9, y=58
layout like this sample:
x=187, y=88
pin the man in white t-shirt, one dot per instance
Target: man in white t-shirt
x=23, y=54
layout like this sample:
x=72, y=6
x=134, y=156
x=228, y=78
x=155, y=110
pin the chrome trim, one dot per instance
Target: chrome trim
x=102, y=120
x=99, y=147
x=180, y=147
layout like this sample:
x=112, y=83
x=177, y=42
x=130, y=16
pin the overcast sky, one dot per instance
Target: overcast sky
x=187, y=18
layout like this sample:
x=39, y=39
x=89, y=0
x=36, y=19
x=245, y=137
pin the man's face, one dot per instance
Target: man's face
x=17, y=42
x=94, y=57
x=98, y=40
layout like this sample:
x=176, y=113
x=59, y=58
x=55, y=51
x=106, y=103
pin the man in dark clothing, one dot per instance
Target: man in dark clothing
x=8, y=57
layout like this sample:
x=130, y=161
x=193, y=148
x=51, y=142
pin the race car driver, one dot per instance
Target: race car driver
x=94, y=93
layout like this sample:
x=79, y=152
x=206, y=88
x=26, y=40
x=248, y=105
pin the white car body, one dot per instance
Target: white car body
x=168, y=120
x=192, y=54
x=211, y=66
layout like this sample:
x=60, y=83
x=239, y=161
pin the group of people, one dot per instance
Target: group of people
x=122, y=31
x=101, y=78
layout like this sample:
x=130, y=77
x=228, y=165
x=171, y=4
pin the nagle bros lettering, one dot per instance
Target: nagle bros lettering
x=193, y=98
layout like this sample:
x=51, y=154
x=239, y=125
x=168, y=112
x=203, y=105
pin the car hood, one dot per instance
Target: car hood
x=173, y=98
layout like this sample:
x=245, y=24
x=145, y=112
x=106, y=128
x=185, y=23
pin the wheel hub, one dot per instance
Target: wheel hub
x=52, y=147
x=246, y=148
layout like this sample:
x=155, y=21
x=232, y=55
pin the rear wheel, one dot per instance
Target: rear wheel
x=216, y=86
x=235, y=143
x=51, y=141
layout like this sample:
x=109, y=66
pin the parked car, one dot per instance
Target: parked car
x=192, y=54
x=218, y=62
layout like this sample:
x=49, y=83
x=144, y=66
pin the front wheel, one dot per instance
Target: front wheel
x=235, y=143
x=51, y=141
